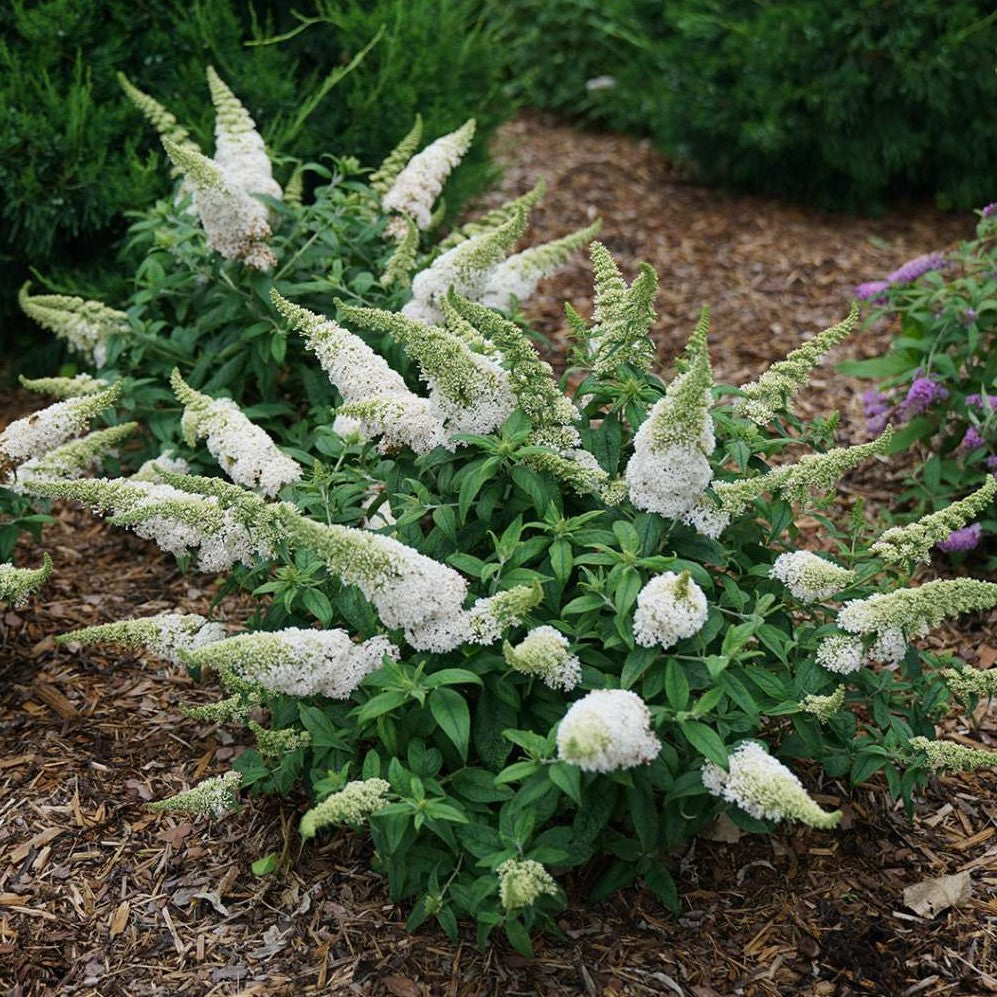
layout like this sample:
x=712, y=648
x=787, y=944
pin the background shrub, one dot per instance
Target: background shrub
x=845, y=106
x=74, y=154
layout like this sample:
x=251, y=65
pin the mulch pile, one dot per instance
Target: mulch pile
x=99, y=896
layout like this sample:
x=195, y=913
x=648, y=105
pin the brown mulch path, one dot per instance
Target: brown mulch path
x=100, y=897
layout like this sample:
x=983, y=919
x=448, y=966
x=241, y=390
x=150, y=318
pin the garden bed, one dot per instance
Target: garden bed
x=99, y=896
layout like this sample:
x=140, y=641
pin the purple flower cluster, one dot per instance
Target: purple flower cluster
x=917, y=267
x=962, y=540
x=976, y=401
x=992, y=463
x=990, y=210
x=877, y=408
x=972, y=440
x=923, y=393
x=872, y=290
x=875, y=290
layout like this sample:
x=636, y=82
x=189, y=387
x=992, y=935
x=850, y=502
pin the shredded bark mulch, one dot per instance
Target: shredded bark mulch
x=98, y=896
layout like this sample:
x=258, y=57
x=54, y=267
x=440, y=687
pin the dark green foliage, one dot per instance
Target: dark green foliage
x=845, y=106
x=75, y=155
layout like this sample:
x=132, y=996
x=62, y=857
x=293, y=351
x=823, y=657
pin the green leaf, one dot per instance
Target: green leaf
x=567, y=778
x=676, y=685
x=265, y=865
x=380, y=704
x=517, y=771
x=705, y=740
x=519, y=937
x=449, y=709
x=659, y=881
x=561, y=559
x=451, y=676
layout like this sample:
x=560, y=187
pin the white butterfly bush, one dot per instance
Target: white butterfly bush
x=809, y=577
x=764, y=788
x=545, y=653
x=607, y=730
x=17, y=584
x=418, y=185
x=86, y=326
x=297, y=662
x=243, y=450
x=239, y=148
x=670, y=607
x=376, y=400
x=168, y=635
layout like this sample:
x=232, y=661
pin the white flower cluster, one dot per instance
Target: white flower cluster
x=64, y=387
x=606, y=730
x=16, y=584
x=764, y=788
x=73, y=459
x=958, y=757
x=465, y=269
x=168, y=460
x=516, y=278
x=168, y=635
x=895, y=618
x=243, y=450
x=377, y=402
x=213, y=797
x=85, y=325
x=178, y=521
x=409, y=590
x=354, y=803
x=44, y=430
x=235, y=224
x=841, y=653
x=668, y=472
x=469, y=390
x=298, y=662
x=522, y=882
x=239, y=149
x=823, y=707
x=417, y=186
x=670, y=607
x=810, y=578
x=545, y=653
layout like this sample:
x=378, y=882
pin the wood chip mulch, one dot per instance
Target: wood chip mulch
x=98, y=896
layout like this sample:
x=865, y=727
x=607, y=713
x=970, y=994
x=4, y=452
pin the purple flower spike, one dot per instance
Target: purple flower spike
x=917, y=267
x=990, y=210
x=962, y=540
x=992, y=463
x=976, y=401
x=872, y=290
x=922, y=395
x=877, y=409
x=972, y=440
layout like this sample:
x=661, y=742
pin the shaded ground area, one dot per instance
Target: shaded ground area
x=98, y=896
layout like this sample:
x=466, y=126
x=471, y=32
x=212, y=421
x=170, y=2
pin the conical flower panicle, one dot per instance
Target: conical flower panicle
x=912, y=543
x=471, y=392
x=243, y=451
x=75, y=458
x=351, y=806
x=522, y=882
x=419, y=183
x=374, y=395
x=402, y=262
x=764, y=788
x=235, y=224
x=86, y=326
x=607, y=730
x=545, y=653
x=669, y=471
x=958, y=757
x=497, y=217
x=42, y=431
x=465, y=269
x=796, y=482
x=516, y=278
x=17, y=584
x=762, y=399
x=162, y=120
x=239, y=149
x=384, y=176
x=213, y=797
x=169, y=635
x=62, y=388
x=296, y=662
x=623, y=315
x=809, y=577
x=670, y=607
